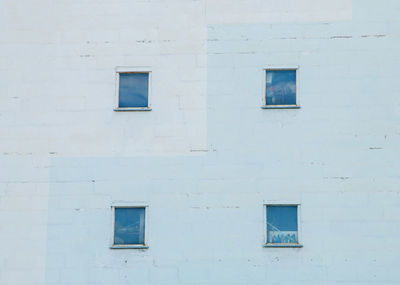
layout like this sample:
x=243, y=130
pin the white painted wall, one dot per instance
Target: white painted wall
x=207, y=157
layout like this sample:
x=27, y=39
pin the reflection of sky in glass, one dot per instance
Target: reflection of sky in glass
x=129, y=226
x=282, y=224
x=133, y=89
x=281, y=87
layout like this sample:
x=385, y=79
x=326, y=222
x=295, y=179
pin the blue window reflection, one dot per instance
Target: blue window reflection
x=129, y=226
x=282, y=224
x=133, y=90
x=281, y=87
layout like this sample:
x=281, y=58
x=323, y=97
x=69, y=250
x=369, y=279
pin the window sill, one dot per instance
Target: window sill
x=280, y=107
x=283, y=245
x=132, y=109
x=139, y=246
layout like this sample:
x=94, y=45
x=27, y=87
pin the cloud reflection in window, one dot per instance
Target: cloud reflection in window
x=280, y=87
x=129, y=226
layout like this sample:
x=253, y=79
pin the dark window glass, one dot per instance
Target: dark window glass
x=281, y=87
x=129, y=226
x=133, y=90
x=282, y=224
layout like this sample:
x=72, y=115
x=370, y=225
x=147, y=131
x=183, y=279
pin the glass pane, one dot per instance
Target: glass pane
x=282, y=224
x=129, y=226
x=281, y=87
x=133, y=89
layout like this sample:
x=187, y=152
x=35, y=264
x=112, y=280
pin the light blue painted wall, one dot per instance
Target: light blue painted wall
x=337, y=156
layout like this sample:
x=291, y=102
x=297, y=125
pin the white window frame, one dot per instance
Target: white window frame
x=146, y=228
x=138, y=69
x=276, y=68
x=283, y=245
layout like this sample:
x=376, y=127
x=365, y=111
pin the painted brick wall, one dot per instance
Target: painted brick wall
x=207, y=157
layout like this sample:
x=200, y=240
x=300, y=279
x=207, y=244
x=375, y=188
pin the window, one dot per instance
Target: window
x=133, y=89
x=282, y=226
x=280, y=88
x=129, y=227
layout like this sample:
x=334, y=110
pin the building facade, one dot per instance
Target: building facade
x=209, y=157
